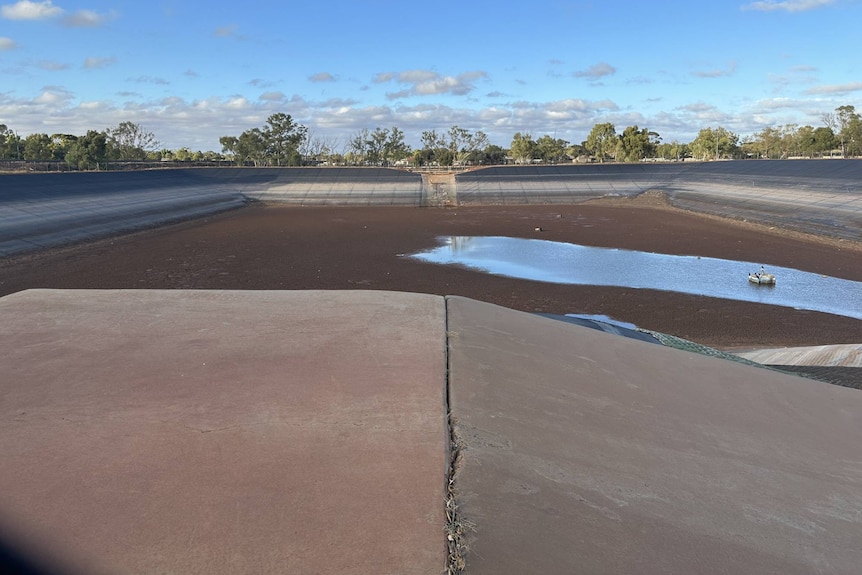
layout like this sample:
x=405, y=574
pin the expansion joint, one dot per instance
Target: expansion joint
x=455, y=525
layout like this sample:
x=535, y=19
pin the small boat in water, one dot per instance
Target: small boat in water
x=762, y=278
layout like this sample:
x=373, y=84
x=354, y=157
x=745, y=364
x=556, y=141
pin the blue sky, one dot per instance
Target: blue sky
x=193, y=71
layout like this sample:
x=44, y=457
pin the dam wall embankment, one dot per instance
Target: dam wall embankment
x=823, y=197
x=45, y=210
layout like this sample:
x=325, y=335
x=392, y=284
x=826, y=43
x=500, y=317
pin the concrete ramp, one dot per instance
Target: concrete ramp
x=584, y=452
x=224, y=432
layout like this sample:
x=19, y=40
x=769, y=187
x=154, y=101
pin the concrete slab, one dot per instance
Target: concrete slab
x=848, y=355
x=224, y=432
x=584, y=452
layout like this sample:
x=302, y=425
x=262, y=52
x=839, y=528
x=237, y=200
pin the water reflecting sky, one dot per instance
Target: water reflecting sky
x=558, y=262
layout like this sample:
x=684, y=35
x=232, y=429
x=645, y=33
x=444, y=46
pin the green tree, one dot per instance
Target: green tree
x=824, y=140
x=229, y=145
x=283, y=138
x=852, y=130
x=789, y=144
x=394, y=148
x=767, y=142
x=130, y=141
x=423, y=157
x=5, y=132
x=846, y=126
x=444, y=157
x=433, y=145
x=575, y=151
x=252, y=147
x=367, y=146
x=635, y=144
x=89, y=151
x=183, y=155
x=713, y=144
x=464, y=145
x=601, y=141
x=61, y=144
x=522, y=148
x=11, y=146
x=551, y=150
x=672, y=151
x=491, y=155
x=38, y=147
x=804, y=141
x=458, y=141
x=277, y=143
x=848, y=129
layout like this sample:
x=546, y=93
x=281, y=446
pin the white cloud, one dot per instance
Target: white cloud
x=198, y=123
x=272, y=96
x=27, y=10
x=401, y=94
x=261, y=83
x=427, y=82
x=87, y=19
x=788, y=5
x=229, y=31
x=93, y=63
x=766, y=106
x=716, y=72
x=640, y=80
x=794, y=76
x=149, y=80
x=7, y=44
x=836, y=89
x=698, y=108
x=322, y=77
x=336, y=103
x=384, y=77
x=54, y=95
x=52, y=66
x=596, y=71
x=238, y=103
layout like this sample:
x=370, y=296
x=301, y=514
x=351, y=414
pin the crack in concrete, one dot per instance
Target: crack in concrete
x=456, y=525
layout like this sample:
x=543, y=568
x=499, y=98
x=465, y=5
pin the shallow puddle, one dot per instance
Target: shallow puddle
x=557, y=262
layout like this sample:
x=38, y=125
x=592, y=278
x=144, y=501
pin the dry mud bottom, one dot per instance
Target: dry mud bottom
x=336, y=248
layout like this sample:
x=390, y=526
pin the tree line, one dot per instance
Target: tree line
x=126, y=142
x=281, y=141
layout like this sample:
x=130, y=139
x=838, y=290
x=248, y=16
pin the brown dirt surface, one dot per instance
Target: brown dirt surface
x=337, y=248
